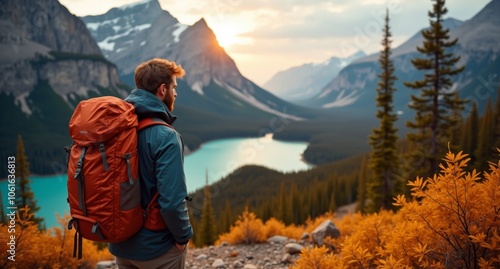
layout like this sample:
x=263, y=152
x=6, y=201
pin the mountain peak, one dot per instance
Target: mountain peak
x=481, y=33
x=201, y=23
x=145, y=3
x=451, y=23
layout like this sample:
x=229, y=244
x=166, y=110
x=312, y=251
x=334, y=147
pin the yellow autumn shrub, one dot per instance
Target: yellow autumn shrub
x=52, y=248
x=451, y=221
x=316, y=258
x=248, y=229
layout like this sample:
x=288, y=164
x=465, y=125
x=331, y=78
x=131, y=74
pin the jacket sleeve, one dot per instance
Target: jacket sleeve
x=172, y=185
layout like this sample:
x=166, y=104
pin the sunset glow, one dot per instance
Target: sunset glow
x=229, y=35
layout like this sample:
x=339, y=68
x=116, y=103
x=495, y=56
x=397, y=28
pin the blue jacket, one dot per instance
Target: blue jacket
x=161, y=167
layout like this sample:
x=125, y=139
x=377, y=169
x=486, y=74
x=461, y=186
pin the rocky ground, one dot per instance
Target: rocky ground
x=278, y=252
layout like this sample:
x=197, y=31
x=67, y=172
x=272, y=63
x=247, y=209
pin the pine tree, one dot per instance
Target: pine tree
x=362, y=180
x=383, y=185
x=485, y=148
x=496, y=144
x=470, y=134
x=207, y=233
x=24, y=195
x=285, y=212
x=226, y=218
x=437, y=106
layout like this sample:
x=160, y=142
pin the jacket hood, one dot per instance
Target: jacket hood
x=147, y=105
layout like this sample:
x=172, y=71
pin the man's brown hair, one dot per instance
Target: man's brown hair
x=151, y=74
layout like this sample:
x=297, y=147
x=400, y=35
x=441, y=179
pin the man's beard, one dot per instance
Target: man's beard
x=169, y=103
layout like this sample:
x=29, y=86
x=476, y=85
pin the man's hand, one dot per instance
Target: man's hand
x=180, y=247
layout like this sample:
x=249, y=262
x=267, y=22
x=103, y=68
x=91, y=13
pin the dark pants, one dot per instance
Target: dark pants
x=172, y=259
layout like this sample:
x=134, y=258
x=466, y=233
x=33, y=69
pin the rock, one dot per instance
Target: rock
x=305, y=236
x=250, y=266
x=293, y=248
x=224, y=244
x=277, y=239
x=201, y=257
x=287, y=258
x=237, y=264
x=219, y=263
x=327, y=228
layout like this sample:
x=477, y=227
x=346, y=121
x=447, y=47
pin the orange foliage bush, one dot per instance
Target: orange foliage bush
x=453, y=221
x=316, y=258
x=274, y=227
x=46, y=249
x=248, y=229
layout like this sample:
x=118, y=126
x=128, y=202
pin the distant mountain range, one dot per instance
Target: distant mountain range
x=305, y=81
x=478, y=47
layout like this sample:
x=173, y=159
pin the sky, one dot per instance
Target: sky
x=268, y=36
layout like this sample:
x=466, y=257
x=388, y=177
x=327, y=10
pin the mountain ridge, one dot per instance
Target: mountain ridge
x=301, y=82
x=350, y=89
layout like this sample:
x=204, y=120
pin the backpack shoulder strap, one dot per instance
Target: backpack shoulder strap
x=144, y=123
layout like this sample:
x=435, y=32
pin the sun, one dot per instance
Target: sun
x=229, y=34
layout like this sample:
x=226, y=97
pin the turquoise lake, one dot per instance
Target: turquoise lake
x=216, y=159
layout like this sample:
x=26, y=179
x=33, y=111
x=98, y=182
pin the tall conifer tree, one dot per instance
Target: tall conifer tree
x=496, y=142
x=383, y=184
x=437, y=105
x=470, y=134
x=207, y=233
x=226, y=217
x=24, y=194
x=485, y=142
x=362, y=188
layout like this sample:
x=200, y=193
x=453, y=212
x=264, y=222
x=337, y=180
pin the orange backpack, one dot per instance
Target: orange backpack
x=104, y=192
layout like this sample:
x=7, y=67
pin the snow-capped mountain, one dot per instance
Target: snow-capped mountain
x=212, y=81
x=305, y=81
x=354, y=87
x=115, y=30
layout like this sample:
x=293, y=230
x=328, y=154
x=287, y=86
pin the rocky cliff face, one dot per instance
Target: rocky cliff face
x=29, y=31
x=47, y=23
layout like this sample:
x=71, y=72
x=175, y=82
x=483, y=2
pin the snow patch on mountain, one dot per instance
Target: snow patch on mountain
x=198, y=87
x=21, y=100
x=180, y=28
x=343, y=99
x=125, y=7
x=109, y=42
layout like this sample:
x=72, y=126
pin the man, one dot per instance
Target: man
x=161, y=168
